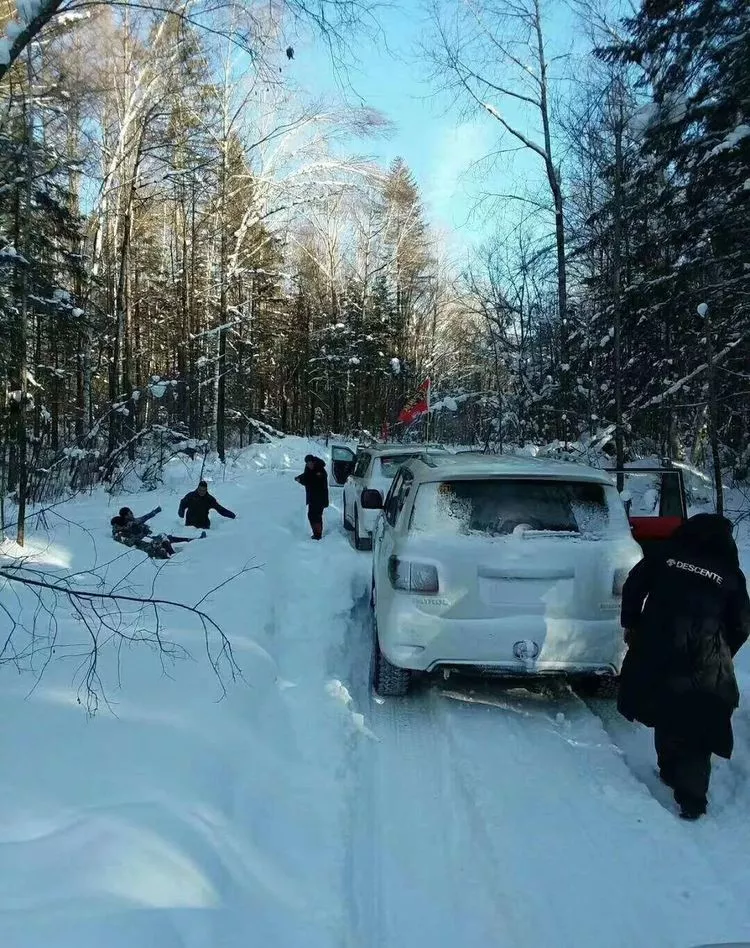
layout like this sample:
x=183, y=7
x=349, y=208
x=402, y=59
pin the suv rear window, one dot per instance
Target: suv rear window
x=500, y=506
x=389, y=465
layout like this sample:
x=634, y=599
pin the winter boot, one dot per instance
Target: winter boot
x=691, y=813
x=317, y=531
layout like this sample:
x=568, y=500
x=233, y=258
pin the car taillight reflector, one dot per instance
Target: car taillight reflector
x=412, y=577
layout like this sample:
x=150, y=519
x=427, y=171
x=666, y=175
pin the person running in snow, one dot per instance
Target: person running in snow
x=315, y=481
x=196, y=505
x=134, y=531
x=686, y=614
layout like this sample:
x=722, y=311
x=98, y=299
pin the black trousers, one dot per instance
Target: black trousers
x=315, y=519
x=165, y=541
x=685, y=766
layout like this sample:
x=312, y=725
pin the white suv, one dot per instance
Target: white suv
x=504, y=564
x=374, y=469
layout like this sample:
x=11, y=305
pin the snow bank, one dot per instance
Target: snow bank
x=181, y=816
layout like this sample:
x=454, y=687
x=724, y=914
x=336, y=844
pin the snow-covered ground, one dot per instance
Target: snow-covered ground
x=298, y=810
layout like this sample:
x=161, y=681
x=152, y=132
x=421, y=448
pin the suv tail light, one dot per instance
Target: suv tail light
x=412, y=577
x=619, y=581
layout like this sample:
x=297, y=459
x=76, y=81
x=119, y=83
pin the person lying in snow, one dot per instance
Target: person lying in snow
x=134, y=531
x=686, y=615
x=196, y=505
x=315, y=481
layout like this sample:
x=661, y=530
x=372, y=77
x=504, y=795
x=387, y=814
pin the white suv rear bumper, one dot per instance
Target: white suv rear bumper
x=412, y=639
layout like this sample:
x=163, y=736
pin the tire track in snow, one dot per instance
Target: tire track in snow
x=362, y=876
x=499, y=784
x=410, y=818
x=595, y=839
x=501, y=823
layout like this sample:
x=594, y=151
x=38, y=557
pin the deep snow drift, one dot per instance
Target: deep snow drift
x=297, y=810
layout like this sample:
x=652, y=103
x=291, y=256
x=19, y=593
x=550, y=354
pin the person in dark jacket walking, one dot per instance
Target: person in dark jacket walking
x=315, y=481
x=134, y=531
x=196, y=505
x=686, y=614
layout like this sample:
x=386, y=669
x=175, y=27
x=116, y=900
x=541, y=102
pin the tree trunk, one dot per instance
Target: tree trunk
x=221, y=387
x=194, y=421
x=553, y=178
x=23, y=314
x=616, y=284
x=182, y=343
x=713, y=418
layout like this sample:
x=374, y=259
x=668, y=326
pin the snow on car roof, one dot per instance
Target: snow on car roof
x=396, y=449
x=441, y=466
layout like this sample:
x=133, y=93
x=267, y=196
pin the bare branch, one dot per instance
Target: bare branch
x=87, y=606
x=514, y=131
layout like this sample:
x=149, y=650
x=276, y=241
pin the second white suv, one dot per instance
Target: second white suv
x=503, y=564
x=374, y=469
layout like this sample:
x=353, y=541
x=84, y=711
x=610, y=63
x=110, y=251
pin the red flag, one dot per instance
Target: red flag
x=417, y=405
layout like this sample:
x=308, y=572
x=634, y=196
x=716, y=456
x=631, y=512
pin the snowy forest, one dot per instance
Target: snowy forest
x=193, y=253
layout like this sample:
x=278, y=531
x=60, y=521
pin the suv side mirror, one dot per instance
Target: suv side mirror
x=371, y=500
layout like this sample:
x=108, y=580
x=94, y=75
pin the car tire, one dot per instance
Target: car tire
x=359, y=543
x=347, y=522
x=601, y=687
x=389, y=681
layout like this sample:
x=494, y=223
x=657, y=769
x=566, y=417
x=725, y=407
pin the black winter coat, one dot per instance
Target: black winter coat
x=315, y=482
x=136, y=533
x=195, y=509
x=137, y=528
x=686, y=614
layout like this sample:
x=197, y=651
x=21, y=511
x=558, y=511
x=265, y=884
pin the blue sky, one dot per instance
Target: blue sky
x=438, y=144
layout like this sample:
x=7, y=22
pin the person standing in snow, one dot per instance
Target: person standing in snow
x=134, y=531
x=194, y=507
x=314, y=479
x=686, y=614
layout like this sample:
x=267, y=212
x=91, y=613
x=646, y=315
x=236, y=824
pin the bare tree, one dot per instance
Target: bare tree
x=109, y=618
x=334, y=20
x=600, y=147
x=492, y=55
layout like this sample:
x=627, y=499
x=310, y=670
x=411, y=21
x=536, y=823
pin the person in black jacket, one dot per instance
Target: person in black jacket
x=686, y=614
x=315, y=481
x=196, y=505
x=134, y=531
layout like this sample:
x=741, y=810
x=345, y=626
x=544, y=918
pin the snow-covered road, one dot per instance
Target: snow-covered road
x=302, y=811
x=490, y=817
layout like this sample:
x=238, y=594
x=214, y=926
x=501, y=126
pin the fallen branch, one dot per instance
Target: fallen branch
x=102, y=627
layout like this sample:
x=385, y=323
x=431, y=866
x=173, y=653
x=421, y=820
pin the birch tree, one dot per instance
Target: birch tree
x=334, y=21
x=492, y=56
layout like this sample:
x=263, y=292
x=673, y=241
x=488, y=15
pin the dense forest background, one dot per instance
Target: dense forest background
x=191, y=257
